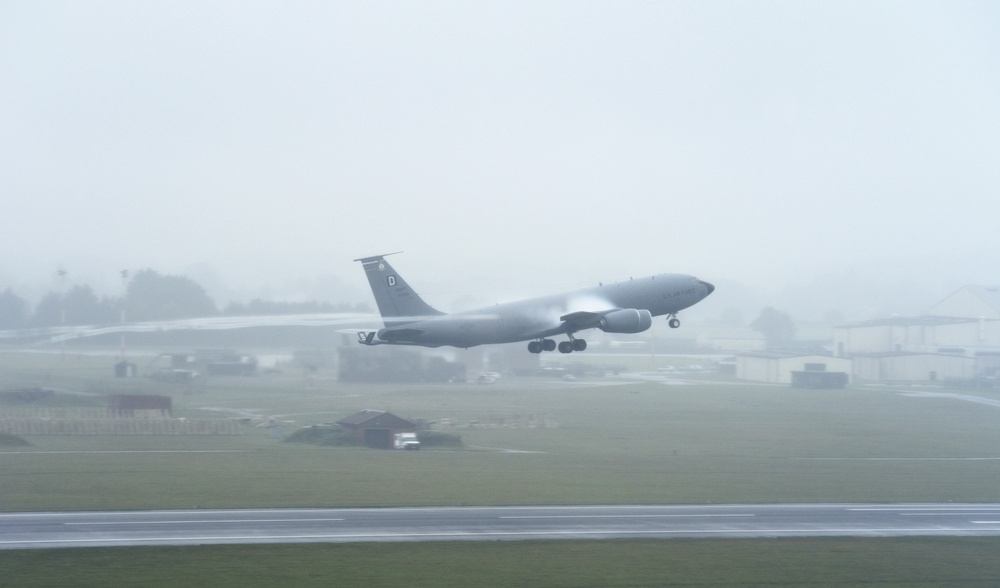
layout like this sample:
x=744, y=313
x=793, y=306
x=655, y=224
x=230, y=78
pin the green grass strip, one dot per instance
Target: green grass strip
x=912, y=562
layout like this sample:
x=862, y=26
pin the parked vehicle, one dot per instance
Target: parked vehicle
x=406, y=441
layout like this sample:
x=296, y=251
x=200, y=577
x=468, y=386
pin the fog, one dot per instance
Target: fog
x=810, y=156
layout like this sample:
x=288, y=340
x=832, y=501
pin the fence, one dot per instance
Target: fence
x=103, y=421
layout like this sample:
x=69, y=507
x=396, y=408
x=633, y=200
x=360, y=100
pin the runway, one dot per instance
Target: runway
x=196, y=527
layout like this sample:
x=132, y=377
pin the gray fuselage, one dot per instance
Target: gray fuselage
x=536, y=318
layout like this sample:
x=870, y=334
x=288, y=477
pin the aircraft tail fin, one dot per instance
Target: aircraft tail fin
x=397, y=302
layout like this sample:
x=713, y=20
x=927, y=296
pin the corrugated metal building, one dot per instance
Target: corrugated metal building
x=912, y=367
x=970, y=302
x=915, y=333
x=958, y=339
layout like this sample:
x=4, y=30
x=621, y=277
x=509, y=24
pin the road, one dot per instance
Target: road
x=194, y=527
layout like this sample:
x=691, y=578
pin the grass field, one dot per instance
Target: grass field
x=937, y=562
x=607, y=441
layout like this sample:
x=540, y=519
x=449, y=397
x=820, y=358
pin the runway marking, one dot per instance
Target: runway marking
x=460, y=534
x=944, y=514
x=129, y=451
x=938, y=509
x=502, y=450
x=223, y=521
x=635, y=516
x=168, y=512
x=899, y=458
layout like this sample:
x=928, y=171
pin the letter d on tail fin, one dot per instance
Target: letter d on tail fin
x=393, y=295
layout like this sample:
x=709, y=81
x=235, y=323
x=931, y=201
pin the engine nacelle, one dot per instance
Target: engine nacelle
x=626, y=320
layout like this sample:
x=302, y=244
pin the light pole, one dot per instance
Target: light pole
x=124, y=274
x=62, y=311
x=62, y=297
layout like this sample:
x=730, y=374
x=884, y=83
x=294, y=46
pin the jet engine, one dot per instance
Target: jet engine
x=626, y=320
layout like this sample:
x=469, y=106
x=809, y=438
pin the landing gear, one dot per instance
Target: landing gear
x=673, y=321
x=550, y=345
x=541, y=345
x=572, y=345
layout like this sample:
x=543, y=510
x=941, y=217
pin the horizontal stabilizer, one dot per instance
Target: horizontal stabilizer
x=375, y=258
x=368, y=338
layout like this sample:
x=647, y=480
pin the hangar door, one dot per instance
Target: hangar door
x=378, y=438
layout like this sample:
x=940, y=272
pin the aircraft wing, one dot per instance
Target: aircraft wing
x=577, y=321
x=613, y=320
x=220, y=323
x=573, y=322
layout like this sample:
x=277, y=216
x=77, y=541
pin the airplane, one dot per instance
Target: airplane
x=621, y=307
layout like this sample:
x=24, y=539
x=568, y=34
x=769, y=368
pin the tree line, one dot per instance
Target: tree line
x=149, y=296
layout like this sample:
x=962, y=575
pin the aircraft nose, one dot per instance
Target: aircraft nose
x=708, y=287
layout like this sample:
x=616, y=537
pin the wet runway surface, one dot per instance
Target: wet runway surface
x=194, y=527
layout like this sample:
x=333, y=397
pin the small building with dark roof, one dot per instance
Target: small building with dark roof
x=376, y=428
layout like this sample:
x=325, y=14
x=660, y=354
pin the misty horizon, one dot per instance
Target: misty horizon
x=806, y=156
x=852, y=297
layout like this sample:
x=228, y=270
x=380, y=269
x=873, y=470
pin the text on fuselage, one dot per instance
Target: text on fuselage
x=680, y=293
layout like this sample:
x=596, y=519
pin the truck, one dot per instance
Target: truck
x=405, y=441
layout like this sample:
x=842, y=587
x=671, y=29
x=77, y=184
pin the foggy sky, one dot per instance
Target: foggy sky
x=506, y=147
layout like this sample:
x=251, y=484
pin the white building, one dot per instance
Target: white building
x=912, y=367
x=958, y=339
x=970, y=302
x=916, y=334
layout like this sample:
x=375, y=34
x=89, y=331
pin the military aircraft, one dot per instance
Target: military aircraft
x=621, y=307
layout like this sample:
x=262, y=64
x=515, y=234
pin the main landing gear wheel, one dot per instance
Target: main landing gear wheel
x=572, y=345
x=550, y=345
x=674, y=322
x=541, y=345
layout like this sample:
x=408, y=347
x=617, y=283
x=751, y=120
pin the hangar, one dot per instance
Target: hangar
x=970, y=302
x=957, y=339
x=926, y=333
x=912, y=366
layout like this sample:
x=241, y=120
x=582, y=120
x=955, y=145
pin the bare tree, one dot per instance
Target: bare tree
x=13, y=310
x=777, y=327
